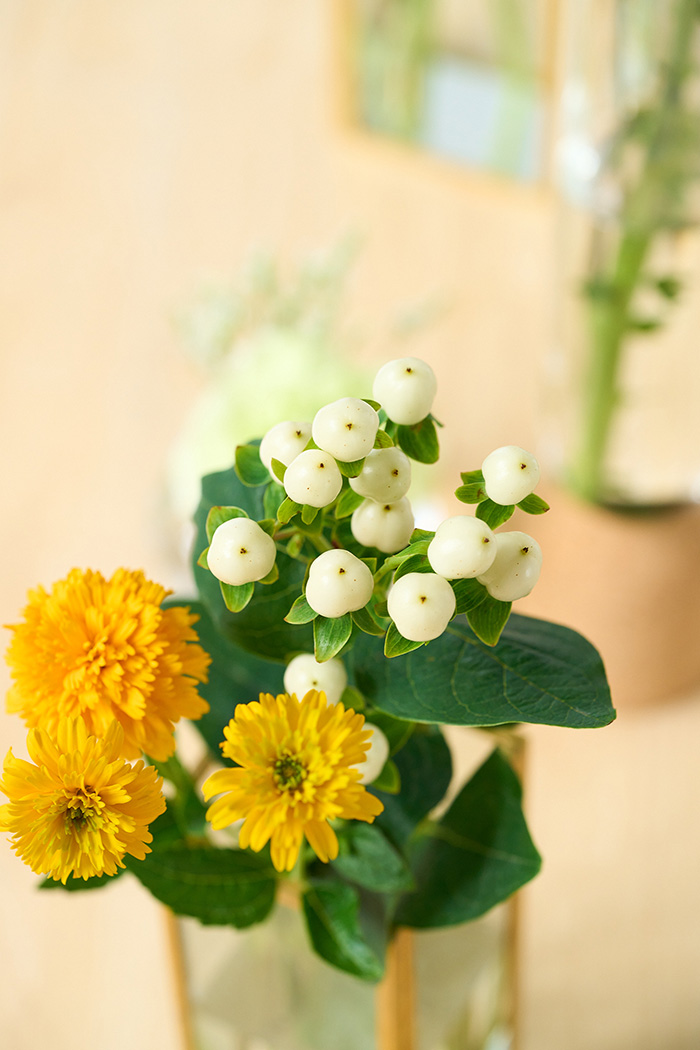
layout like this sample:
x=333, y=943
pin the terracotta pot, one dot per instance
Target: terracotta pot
x=628, y=581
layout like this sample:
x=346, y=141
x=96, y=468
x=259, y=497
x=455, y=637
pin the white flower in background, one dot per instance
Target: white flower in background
x=376, y=757
x=304, y=672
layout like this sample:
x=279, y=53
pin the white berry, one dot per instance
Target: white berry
x=386, y=526
x=385, y=475
x=338, y=583
x=284, y=442
x=510, y=474
x=304, y=672
x=462, y=548
x=240, y=552
x=346, y=429
x=313, y=478
x=375, y=758
x=405, y=388
x=516, y=567
x=421, y=604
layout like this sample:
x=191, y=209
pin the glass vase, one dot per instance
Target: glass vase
x=623, y=419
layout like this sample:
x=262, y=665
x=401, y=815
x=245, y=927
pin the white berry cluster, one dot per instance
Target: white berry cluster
x=353, y=461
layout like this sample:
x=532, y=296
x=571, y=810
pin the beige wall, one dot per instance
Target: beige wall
x=147, y=144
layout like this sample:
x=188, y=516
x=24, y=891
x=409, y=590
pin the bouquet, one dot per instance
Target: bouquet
x=329, y=642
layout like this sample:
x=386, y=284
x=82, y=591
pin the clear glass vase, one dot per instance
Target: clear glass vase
x=623, y=416
x=264, y=989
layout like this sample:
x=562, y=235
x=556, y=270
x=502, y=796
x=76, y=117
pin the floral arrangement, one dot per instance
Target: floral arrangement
x=333, y=640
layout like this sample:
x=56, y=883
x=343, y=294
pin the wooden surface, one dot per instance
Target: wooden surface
x=146, y=145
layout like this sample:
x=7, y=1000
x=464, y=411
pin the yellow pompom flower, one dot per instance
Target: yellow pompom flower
x=80, y=807
x=297, y=770
x=105, y=650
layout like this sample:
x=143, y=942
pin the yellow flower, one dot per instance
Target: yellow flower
x=104, y=649
x=81, y=807
x=296, y=772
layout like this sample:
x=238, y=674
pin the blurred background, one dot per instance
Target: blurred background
x=211, y=213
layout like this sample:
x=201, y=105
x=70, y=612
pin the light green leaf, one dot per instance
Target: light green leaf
x=250, y=469
x=330, y=635
x=218, y=515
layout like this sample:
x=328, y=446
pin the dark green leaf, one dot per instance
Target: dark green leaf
x=249, y=467
x=350, y=470
x=301, y=611
x=419, y=546
x=367, y=623
x=72, y=884
x=389, y=779
x=414, y=563
x=369, y=859
x=396, y=645
x=348, y=503
x=494, y=514
x=218, y=515
x=274, y=494
x=670, y=287
x=533, y=504
x=236, y=598
x=539, y=672
x=222, y=887
x=353, y=698
x=468, y=594
x=476, y=856
x=397, y=730
x=330, y=635
x=331, y=913
x=425, y=768
x=488, y=618
x=420, y=442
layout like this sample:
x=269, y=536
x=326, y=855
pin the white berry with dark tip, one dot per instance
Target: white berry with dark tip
x=304, y=673
x=421, y=604
x=405, y=388
x=240, y=552
x=462, y=548
x=510, y=474
x=346, y=429
x=375, y=758
x=338, y=583
x=516, y=567
x=386, y=526
x=313, y=478
x=385, y=475
x=284, y=442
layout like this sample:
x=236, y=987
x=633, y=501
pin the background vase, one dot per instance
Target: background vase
x=624, y=382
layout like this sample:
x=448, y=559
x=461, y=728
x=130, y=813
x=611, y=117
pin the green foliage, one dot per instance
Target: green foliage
x=249, y=467
x=366, y=622
x=331, y=911
x=301, y=611
x=488, y=618
x=73, y=885
x=367, y=858
x=278, y=468
x=539, y=672
x=389, y=779
x=383, y=440
x=468, y=594
x=476, y=856
x=533, y=504
x=425, y=768
x=420, y=441
x=348, y=501
x=414, y=563
x=350, y=470
x=396, y=645
x=218, y=515
x=223, y=887
x=471, y=493
x=494, y=514
x=286, y=510
x=330, y=635
x=236, y=598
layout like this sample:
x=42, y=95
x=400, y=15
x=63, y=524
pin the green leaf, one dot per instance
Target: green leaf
x=218, y=515
x=301, y=611
x=260, y=627
x=533, y=504
x=389, y=779
x=236, y=598
x=73, y=884
x=372, y=404
x=272, y=576
x=670, y=287
x=367, y=623
x=488, y=618
x=330, y=635
x=414, y=563
x=417, y=547
x=425, y=768
x=286, y=510
x=235, y=677
x=644, y=325
x=222, y=887
x=494, y=514
x=476, y=856
x=396, y=645
x=202, y=560
x=309, y=513
x=268, y=525
x=249, y=467
x=472, y=477
x=350, y=470
x=353, y=698
x=368, y=858
x=468, y=594
x=471, y=493
x=279, y=469
x=331, y=913
x=273, y=495
x=383, y=440
x=539, y=672
x=420, y=442
x=348, y=502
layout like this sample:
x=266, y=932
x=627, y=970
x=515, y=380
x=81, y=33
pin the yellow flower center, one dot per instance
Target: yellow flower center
x=289, y=772
x=82, y=808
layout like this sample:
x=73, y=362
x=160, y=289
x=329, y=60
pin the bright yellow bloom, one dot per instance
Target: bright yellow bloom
x=82, y=806
x=296, y=772
x=105, y=650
